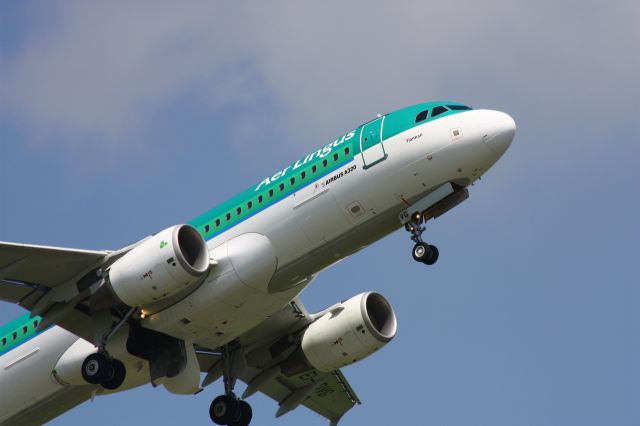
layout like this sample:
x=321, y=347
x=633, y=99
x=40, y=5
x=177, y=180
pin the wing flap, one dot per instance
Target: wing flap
x=327, y=394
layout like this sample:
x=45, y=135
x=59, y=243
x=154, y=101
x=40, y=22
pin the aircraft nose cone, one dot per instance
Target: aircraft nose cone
x=499, y=132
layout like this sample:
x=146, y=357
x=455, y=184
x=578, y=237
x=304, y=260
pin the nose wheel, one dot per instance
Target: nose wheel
x=425, y=253
x=422, y=252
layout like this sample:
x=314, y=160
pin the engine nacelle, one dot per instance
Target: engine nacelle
x=349, y=332
x=160, y=266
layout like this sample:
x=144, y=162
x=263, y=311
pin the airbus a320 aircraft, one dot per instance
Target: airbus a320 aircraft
x=219, y=294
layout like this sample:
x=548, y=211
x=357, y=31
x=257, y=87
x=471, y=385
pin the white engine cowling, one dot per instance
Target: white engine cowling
x=160, y=266
x=349, y=332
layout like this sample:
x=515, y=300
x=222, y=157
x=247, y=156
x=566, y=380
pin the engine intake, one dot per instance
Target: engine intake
x=160, y=266
x=349, y=332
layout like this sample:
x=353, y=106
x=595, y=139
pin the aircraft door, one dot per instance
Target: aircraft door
x=371, y=145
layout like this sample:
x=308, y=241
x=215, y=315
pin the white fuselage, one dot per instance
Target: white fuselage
x=293, y=240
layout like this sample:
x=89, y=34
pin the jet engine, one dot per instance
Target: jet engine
x=160, y=266
x=349, y=332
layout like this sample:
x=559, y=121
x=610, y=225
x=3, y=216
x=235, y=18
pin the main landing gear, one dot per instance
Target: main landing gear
x=422, y=252
x=101, y=369
x=227, y=409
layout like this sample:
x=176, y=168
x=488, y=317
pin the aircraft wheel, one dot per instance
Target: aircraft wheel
x=96, y=368
x=245, y=414
x=421, y=252
x=115, y=380
x=225, y=410
x=433, y=258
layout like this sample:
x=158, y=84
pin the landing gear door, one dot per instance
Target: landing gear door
x=371, y=145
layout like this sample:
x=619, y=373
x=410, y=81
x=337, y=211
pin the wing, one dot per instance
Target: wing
x=28, y=271
x=257, y=362
x=51, y=281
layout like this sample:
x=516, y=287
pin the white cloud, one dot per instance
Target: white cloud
x=102, y=71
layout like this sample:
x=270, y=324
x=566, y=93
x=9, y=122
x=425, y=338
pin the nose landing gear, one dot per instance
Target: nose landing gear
x=422, y=252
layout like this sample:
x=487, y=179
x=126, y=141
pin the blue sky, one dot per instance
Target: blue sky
x=119, y=119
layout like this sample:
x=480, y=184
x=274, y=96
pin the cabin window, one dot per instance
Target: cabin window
x=281, y=186
x=217, y=222
x=458, y=107
x=270, y=193
x=324, y=163
x=35, y=324
x=4, y=341
x=249, y=204
x=259, y=199
x=335, y=157
x=292, y=181
x=206, y=228
x=422, y=116
x=228, y=216
x=437, y=111
x=303, y=175
x=314, y=168
x=14, y=335
x=346, y=151
x=25, y=329
x=238, y=211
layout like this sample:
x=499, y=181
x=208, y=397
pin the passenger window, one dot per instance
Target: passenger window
x=313, y=169
x=281, y=187
x=270, y=193
x=25, y=329
x=437, y=111
x=458, y=107
x=324, y=163
x=14, y=335
x=422, y=116
x=292, y=181
x=249, y=205
x=206, y=228
x=4, y=341
x=228, y=216
x=35, y=324
x=217, y=222
x=335, y=157
x=238, y=211
x=303, y=175
x=346, y=151
x=259, y=199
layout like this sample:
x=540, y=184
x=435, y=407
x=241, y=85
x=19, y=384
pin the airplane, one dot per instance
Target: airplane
x=219, y=295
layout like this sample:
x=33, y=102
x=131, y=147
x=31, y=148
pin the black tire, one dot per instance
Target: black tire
x=115, y=380
x=224, y=410
x=96, y=368
x=433, y=258
x=421, y=252
x=246, y=413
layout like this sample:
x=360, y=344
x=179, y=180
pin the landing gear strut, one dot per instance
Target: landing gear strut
x=227, y=409
x=422, y=252
x=100, y=368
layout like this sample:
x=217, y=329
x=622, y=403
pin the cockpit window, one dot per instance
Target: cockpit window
x=458, y=107
x=422, y=116
x=438, y=110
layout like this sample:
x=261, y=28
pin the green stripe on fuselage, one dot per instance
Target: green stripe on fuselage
x=17, y=332
x=324, y=161
x=394, y=123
